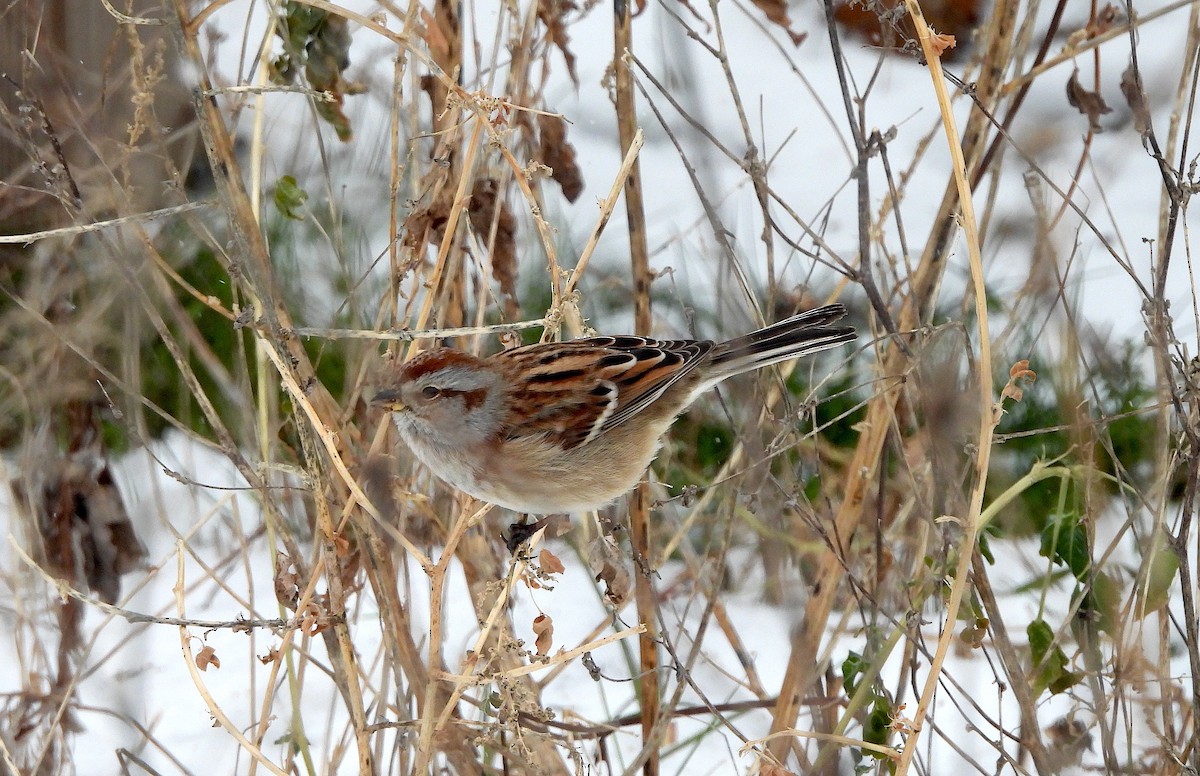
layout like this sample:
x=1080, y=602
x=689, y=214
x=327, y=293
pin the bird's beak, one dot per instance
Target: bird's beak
x=388, y=399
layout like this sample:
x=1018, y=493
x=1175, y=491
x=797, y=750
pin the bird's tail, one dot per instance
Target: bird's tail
x=800, y=335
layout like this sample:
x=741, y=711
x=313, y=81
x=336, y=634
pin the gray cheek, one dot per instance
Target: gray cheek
x=406, y=423
x=422, y=427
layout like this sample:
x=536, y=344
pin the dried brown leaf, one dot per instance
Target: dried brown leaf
x=1019, y=371
x=605, y=562
x=207, y=657
x=313, y=619
x=487, y=208
x=425, y=224
x=552, y=13
x=435, y=37
x=776, y=11
x=885, y=23
x=287, y=581
x=1090, y=104
x=1109, y=17
x=1135, y=96
x=86, y=536
x=940, y=42
x=559, y=155
x=550, y=563
x=543, y=628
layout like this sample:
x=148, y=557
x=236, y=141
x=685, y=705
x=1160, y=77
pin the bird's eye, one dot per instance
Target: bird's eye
x=430, y=392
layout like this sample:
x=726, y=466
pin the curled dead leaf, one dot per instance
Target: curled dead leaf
x=552, y=13
x=85, y=533
x=1135, y=96
x=940, y=42
x=886, y=23
x=543, y=628
x=287, y=581
x=1109, y=17
x=559, y=155
x=1090, y=104
x=605, y=562
x=488, y=211
x=550, y=563
x=776, y=11
x=207, y=657
x=974, y=634
x=1019, y=371
x=313, y=620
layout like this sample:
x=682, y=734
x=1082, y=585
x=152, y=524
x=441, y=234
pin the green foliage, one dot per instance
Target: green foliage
x=317, y=44
x=1118, y=386
x=1049, y=661
x=162, y=381
x=985, y=546
x=837, y=400
x=1065, y=542
x=290, y=198
x=878, y=720
x=714, y=443
x=852, y=667
x=1162, y=566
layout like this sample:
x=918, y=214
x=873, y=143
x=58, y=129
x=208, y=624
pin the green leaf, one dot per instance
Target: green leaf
x=1103, y=603
x=878, y=724
x=714, y=445
x=1049, y=661
x=289, y=198
x=852, y=666
x=985, y=549
x=1065, y=541
x=1162, y=565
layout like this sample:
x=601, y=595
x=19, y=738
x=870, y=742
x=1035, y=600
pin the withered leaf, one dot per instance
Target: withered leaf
x=940, y=42
x=319, y=42
x=1090, y=104
x=543, y=628
x=313, y=620
x=287, y=581
x=1135, y=96
x=348, y=567
x=552, y=13
x=550, y=563
x=556, y=153
x=974, y=634
x=488, y=209
x=886, y=23
x=207, y=657
x=777, y=11
x=1019, y=371
x=769, y=769
x=605, y=562
x=1110, y=16
x=435, y=37
x=86, y=536
x=425, y=224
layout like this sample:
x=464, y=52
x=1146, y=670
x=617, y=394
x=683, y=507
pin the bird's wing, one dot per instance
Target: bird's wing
x=577, y=390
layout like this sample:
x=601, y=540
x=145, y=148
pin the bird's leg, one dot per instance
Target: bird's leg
x=521, y=531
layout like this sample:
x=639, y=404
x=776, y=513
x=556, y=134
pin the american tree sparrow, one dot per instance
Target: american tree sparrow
x=571, y=426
